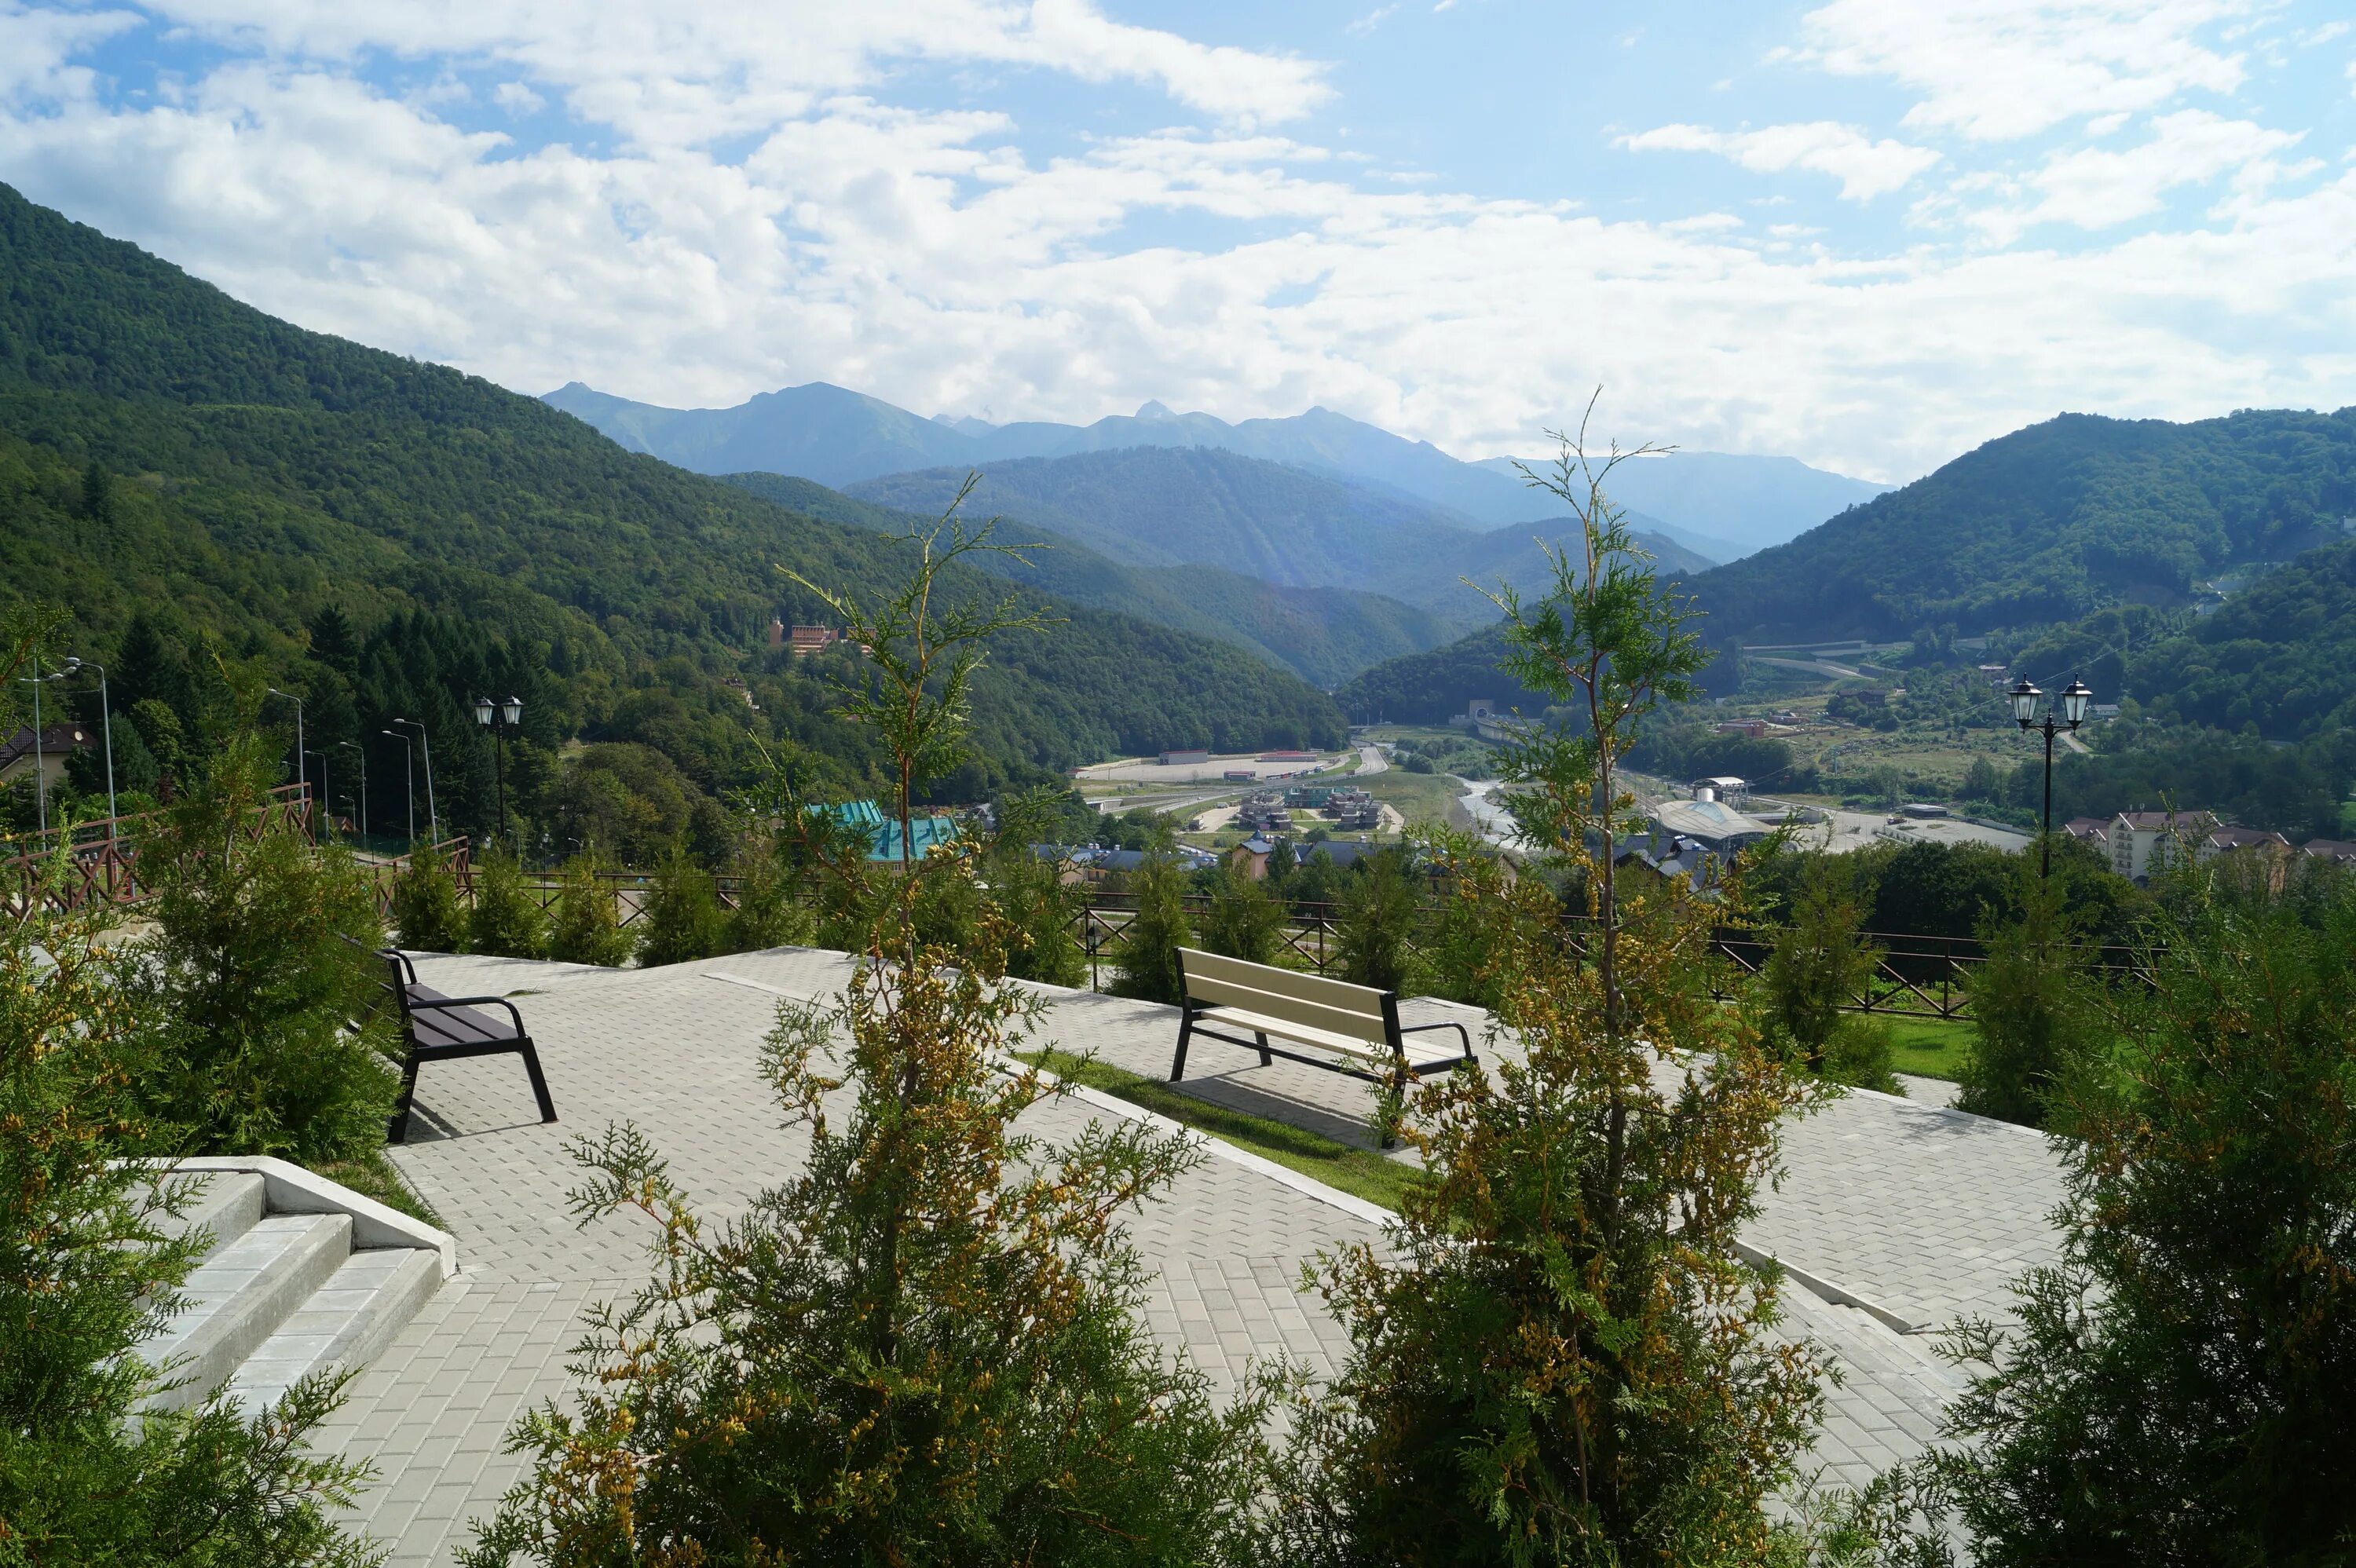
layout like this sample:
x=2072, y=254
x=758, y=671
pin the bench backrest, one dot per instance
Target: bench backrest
x=1360, y=1011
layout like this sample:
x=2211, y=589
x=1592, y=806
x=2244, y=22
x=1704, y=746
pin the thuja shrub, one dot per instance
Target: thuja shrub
x=682, y=920
x=425, y=909
x=507, y=920
x=1375, y=931
x=585, y=927
x=89, y=1274
x=261, y=962
x=1148, y=964
x=1243, y=922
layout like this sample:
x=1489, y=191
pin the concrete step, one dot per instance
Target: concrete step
x=347, y=1322
x=228, y=1204
x=238, y=1298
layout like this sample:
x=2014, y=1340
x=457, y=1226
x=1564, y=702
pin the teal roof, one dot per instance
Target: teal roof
x=883, y=833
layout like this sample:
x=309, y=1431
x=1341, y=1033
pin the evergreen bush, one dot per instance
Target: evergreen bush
x=1819, y=965
x=507, y=920
x=1243, y=922
x=1147, y=966
x=585, y=927
x=682, y=920
x=1374, y=935
x=2026, y=1000
x=261, y=959
x=767, y=914
x=425, y=909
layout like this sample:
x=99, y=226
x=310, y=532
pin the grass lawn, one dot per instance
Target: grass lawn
x=1928, y=1048
x=1419, y=797
x=374, y=1176
x=1360, y=1172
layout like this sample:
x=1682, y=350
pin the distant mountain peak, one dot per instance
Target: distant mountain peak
x=1154, y=409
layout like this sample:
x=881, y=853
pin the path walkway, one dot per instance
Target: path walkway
x=1917, y=1214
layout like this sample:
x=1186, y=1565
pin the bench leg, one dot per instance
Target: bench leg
x=397, y=1130
x=1265, y=1059
x=1178, y=1062
x=539, y=1083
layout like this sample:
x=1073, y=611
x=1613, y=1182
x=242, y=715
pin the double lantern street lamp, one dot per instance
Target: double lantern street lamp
x=510, y=714
x=2074, y=698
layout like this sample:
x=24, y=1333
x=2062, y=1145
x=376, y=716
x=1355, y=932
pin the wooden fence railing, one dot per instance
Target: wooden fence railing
x=102, y=857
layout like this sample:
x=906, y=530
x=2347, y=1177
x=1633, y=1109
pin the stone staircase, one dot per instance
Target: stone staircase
x=301, y=1274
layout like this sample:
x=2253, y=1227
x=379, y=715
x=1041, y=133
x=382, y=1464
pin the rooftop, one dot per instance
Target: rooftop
x=1896, y=1217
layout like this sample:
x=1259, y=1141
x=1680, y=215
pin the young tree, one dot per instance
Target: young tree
x=2177, y=1388
x=1147, y=967
x=1819, y=965
x=924, y=1347
x=1243, y=922
x=425, y=909
x=682, y=920
x=1566, y=1360
x=1041, y=908
x=586, y=927
x=89, y=1273
x=1377, y=925
x=507, y=920
x=766, y=914
x=260, y=958
x=2028, y=1001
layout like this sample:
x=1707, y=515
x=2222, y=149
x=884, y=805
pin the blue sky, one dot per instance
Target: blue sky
x=1868, y=234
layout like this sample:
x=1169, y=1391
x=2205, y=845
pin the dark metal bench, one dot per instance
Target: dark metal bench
x=436, y=1028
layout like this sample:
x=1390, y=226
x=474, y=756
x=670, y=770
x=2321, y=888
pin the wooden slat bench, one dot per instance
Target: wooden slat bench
x=436, y=1028
x=1358, y=1024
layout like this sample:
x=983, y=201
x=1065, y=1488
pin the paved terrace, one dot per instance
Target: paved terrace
x=1895, y=1218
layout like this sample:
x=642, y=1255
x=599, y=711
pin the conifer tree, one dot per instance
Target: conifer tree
x=586, y=926
x=1564, y=1359
x=507, y=920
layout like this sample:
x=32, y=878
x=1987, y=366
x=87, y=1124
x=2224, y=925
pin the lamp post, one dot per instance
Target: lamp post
x=327, y=793
x=2025, y=697
x=412, y=794
x=106, y=727
x=361, y=751
x=40, y=762
x=432, y=814
x=508, y=714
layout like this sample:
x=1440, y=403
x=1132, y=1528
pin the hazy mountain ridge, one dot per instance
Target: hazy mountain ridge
x=1324, y=635
x=840, y=438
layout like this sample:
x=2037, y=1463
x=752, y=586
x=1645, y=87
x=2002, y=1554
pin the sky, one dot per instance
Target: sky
x=1867, y=233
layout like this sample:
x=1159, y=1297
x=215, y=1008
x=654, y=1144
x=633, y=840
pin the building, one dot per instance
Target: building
x=2338, y=851
x=807, y=640
x=1289, y=757
x=776, y=633
x=1712, y=824
x=20, y=754
x=1185, y=756
x=1754, y=728
x=1671, y=858
x=1250, y=857
x=2144, y=842
x=1722, y=786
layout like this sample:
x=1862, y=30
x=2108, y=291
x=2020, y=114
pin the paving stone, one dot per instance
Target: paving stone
x=1925, y=1212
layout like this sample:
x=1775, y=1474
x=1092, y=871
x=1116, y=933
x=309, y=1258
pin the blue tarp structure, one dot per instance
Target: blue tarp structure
x=883, y=832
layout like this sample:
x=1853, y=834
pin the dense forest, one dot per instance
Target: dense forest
x=225, y=482
x=1323, y=634
x=2050, y=523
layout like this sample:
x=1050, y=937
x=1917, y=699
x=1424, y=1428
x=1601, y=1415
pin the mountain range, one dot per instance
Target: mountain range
x=172, y=457
x=1719, y=506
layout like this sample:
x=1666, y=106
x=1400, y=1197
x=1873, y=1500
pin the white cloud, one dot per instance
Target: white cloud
x=1999, y=70
x=1866, y=168
x=2095, y=188
x=920, y=255
x=518, y=99
x=1366, y=24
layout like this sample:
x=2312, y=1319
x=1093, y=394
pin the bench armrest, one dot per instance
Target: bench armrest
x=1461, y=1032
x=417, y=1006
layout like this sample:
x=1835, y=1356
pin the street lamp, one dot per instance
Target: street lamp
x=2074, y=698
x=411, y=795
x=361, y=751
x=41, y=762
x=106, y=724
x=327, y=793
x=432, y=814
x=510, y=714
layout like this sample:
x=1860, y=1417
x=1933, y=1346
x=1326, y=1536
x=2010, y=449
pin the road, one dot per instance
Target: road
x=1372, y=760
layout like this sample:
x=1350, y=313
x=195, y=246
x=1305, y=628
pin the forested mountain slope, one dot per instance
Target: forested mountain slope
x=1200, y=506
x=1323, y=634
x=2050, y=523
x=165, y=448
